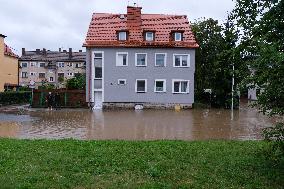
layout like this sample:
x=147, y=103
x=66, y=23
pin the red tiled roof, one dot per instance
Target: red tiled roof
x=8, y=51
x=103, y=31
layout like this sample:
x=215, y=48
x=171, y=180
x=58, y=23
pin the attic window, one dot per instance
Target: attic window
x=122, y=36
x=178, y=36
x=149, y=36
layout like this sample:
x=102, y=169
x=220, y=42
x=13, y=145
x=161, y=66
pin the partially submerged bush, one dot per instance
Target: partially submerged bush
x=8, y=98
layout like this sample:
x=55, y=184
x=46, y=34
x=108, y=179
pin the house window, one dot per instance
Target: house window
x=24, y=65
x=160, y=60
x=178, y=36
x=70, y=74
x=69, y=64
x=141, y=59
x=33, y=64
x=122, y=59
x=41, y=75
x=180, y=86
x=24, y=74
x=32, y=73
x=51, y=79
x=141, y=86
x=98, y=73
x=60, y=64
x=121, y=82
x=41, y=65
x=149, y=36
x=60, y=75
x=122, y=36
x=78, y=65
x=181, y=61
x=160, y=86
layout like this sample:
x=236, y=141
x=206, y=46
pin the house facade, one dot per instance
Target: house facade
x=8, y=67
x=50, y=67
x=140, y=59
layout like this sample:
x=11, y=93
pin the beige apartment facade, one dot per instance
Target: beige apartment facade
x=8, y=67
x=50, y=67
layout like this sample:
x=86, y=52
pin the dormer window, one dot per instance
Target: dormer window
x=149, y=36
x=178, y=36
x=122, y=36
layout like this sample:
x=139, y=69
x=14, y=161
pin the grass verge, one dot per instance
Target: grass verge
x=122, y=164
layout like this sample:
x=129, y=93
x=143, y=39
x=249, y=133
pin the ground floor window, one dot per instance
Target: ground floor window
x=51, y=79
x=180, y=86
x=141, y=86
x=24, y=74
x=41, y=75
x=160, y=85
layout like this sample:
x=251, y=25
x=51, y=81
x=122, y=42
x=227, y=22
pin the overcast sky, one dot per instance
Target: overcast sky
x=64, y=23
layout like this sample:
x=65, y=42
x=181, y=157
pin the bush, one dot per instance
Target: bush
x=8, y=98
x=78, y=82
x=275, y=137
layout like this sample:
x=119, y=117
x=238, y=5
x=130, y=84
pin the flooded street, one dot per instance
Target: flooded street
x=196, y=124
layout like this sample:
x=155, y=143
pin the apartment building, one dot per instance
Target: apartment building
x=50, y=67
x=140, y=59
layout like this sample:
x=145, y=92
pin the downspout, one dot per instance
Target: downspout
x=90, y=77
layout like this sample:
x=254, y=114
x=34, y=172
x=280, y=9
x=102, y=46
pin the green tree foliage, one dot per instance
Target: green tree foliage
x=78, y=82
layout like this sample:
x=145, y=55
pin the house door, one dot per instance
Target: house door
x=98, y=100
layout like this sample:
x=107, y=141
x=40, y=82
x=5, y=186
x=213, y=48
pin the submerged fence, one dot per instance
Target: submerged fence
x=67, y=98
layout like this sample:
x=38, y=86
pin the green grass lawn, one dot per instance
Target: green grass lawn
x=119, y=164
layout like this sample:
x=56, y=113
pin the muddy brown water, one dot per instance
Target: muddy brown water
x=196, y=124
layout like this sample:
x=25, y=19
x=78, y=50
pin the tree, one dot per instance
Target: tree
x=78, y=82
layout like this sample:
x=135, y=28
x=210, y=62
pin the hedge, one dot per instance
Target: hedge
x=8, y=98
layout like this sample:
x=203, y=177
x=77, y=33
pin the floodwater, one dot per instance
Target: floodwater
x=196, y=124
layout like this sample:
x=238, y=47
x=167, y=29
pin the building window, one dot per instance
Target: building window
x=69, y=64
x=98, y=73
x=178, y=36
x=180, y=86
x=141, y=86
x=51, y=79
x=160, y=59
x=24, y=65
x=141, y=59
x=41, y=75
x=160, y=86
x=41, y=65
x=60, y=75
x=24, y=74
x=122, y=36
x=121, y=82
x=122, y=59
x=149, y=36
x=181, y=61
x=32, y=73
x=70, y=74
x=60, y=64
x=33, y=64
x=78, y=65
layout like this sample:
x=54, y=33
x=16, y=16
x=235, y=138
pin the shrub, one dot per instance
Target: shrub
x=8, y=98
x=78, y=82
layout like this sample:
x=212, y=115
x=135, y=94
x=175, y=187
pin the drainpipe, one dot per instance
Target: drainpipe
x=90, y=77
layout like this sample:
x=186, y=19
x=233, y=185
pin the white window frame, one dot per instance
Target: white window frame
x=124, y=33
x=60, y=64
x=180, y=80
x=165, y=60
x=32, y=73
x=50, y=79
x=164, y=85
x=26, y=75
x=118, y=82
x=180, y=66
x=32, y=64
x=136, y=56
x=40, y=64
x=148, y=38
x=176, y=34
x=121, y=53
x=70, y=74
x=24, y=63
x=98, y=78
x=69, y=64
x=137, y=86
x=41, y=73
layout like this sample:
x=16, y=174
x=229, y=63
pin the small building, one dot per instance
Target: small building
x=50, y=67
x=142, y=60
x=8, y=67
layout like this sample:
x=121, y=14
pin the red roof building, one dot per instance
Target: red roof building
x=104, y=27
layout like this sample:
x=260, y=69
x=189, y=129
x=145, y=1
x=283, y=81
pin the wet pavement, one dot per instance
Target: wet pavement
x=196, y=124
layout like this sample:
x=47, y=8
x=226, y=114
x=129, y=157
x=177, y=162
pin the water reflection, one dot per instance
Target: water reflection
x=197, y=124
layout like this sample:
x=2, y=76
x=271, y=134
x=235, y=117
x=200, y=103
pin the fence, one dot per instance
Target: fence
x=67, y=98
x=10, y=98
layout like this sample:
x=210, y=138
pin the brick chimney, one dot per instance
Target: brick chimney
x=44, y=51
x=134, y=20
x=23, y=51
x=70, y=53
